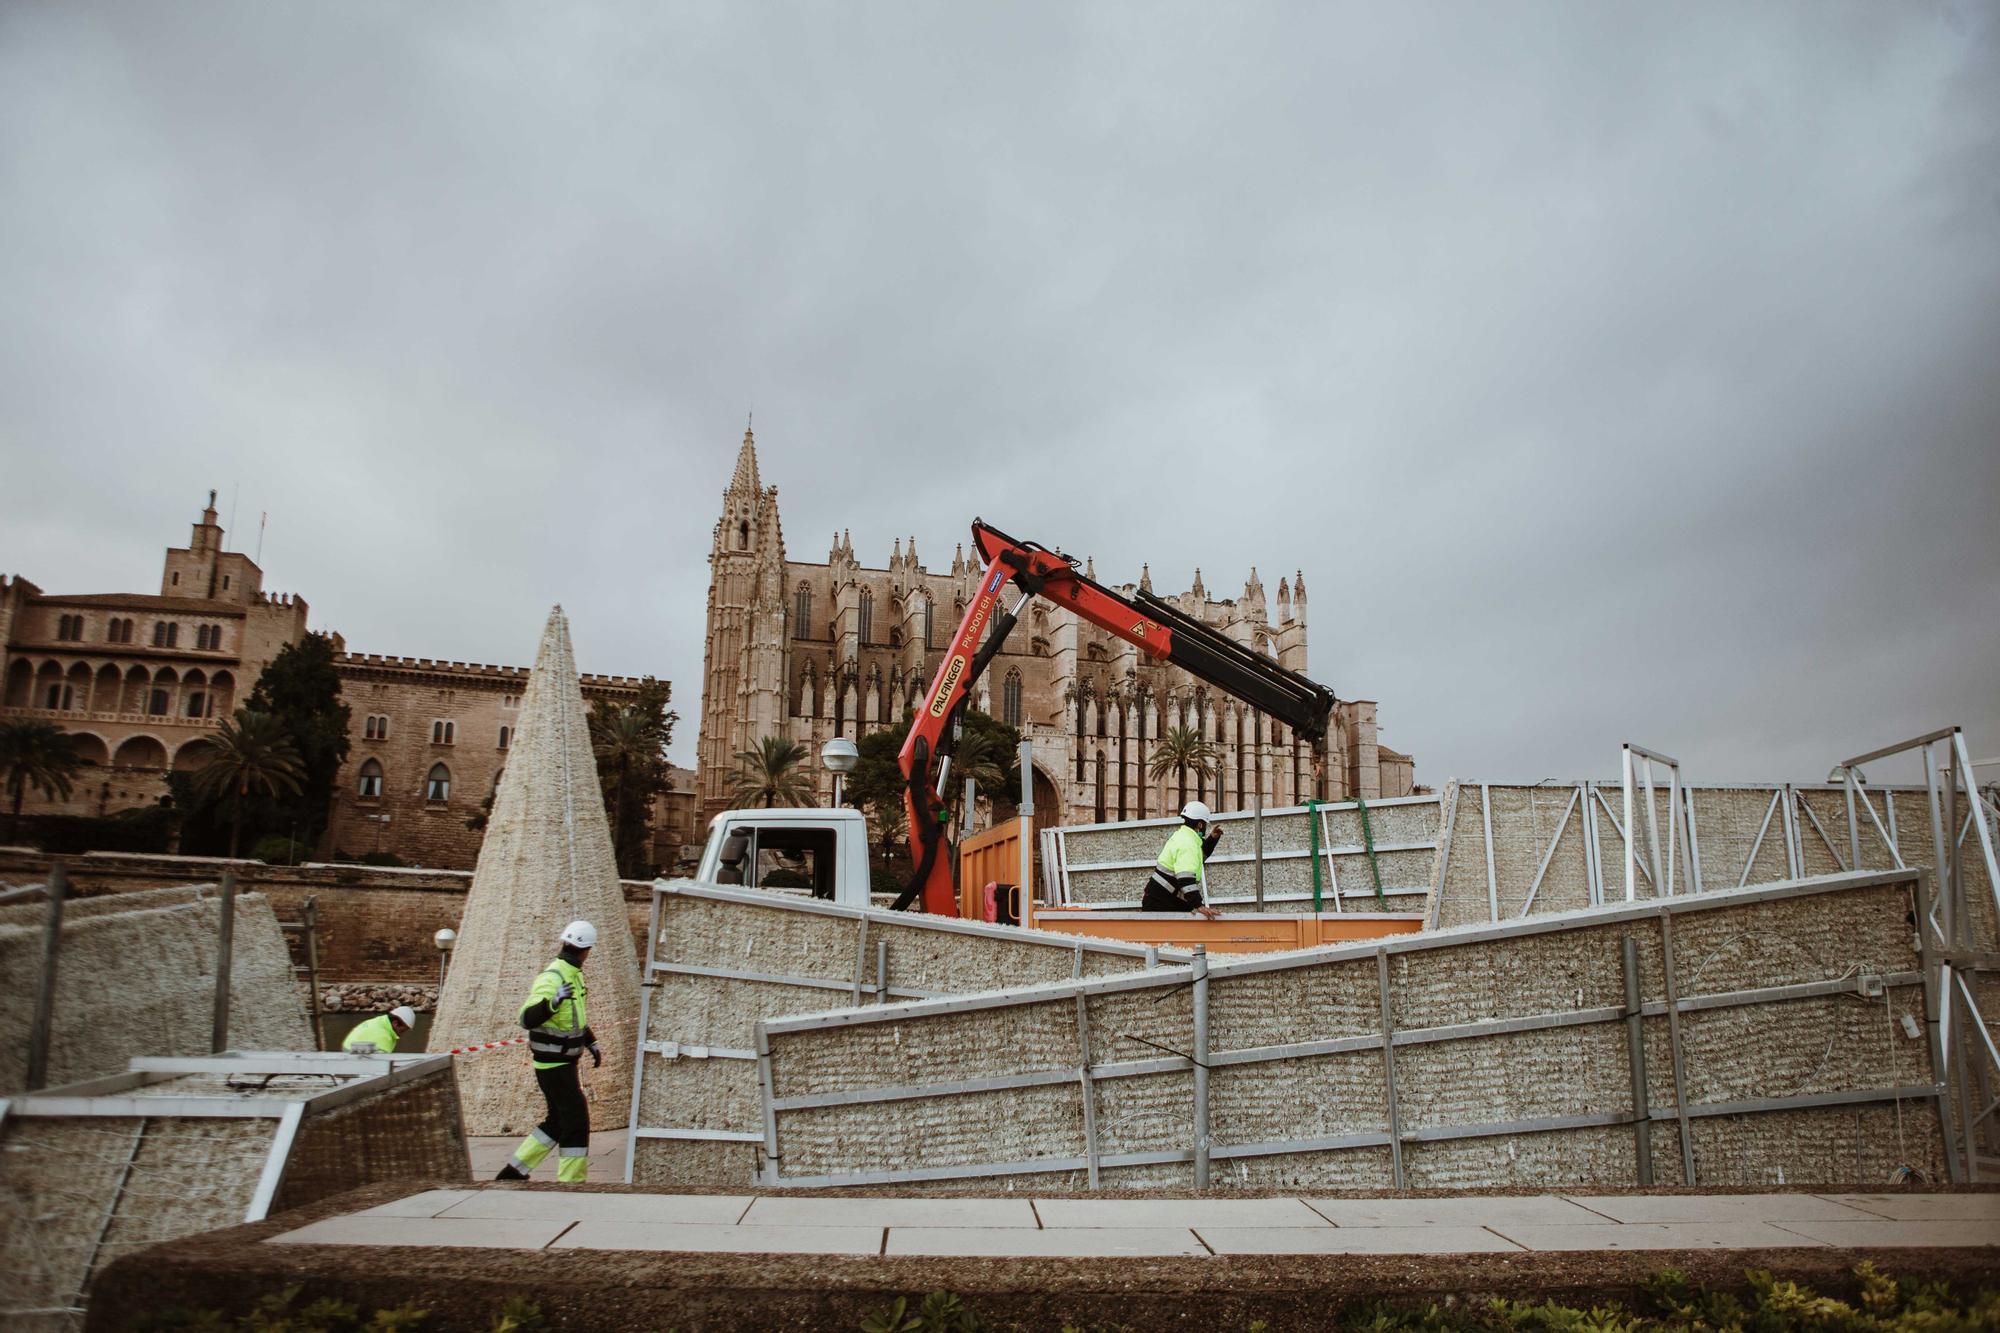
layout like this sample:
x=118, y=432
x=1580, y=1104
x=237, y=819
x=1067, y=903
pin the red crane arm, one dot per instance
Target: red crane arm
x=1157, y=627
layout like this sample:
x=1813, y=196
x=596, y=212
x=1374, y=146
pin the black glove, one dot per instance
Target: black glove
x=596, y=1056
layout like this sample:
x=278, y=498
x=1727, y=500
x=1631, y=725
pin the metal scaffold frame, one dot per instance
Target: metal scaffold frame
x=1964, y=1053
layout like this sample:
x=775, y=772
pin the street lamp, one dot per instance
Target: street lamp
x=445, y=940
x=840, y=755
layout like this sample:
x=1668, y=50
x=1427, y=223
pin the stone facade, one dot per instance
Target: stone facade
x=812, y=650
x=141, y=679
x=427, y=744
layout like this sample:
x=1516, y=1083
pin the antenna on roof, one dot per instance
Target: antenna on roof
x=263, y=517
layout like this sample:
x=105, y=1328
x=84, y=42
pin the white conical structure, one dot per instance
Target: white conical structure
x=546, y=861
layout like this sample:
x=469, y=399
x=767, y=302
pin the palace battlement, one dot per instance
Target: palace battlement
x=390, y=661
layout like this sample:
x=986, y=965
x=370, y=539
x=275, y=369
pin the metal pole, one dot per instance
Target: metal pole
x=1391, y=1100
x=45, y=997
x=311, y=918
x=1635, y=1054
x=225, y=947
x=1631, y=852
x=971, y=794
x=1201, y=1066
x=1027, y=827
x=1257, y=839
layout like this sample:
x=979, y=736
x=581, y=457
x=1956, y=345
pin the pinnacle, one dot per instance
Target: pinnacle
x=745, y=477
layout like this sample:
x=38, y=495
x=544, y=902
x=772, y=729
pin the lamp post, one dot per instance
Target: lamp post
x=445, y=940
x=840, y=755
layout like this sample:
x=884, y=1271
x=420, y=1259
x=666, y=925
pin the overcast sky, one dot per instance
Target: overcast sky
x=1613, y=371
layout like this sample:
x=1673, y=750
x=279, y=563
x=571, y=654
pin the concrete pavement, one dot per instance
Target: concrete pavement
x=1161, y=1227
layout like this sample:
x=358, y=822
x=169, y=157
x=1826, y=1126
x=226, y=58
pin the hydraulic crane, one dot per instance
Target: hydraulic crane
x=1160, y=630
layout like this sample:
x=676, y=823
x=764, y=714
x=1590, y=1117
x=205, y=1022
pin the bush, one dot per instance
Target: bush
x=147, y=829
x=278, y=850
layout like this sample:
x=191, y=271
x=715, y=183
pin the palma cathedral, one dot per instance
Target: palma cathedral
x=810, y=650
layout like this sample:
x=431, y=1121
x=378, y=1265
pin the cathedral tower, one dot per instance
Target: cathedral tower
x=743, y=668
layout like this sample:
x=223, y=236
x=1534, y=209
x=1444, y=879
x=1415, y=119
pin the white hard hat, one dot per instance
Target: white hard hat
x=1195, y=810
x=581, y=934
x=405, y=1015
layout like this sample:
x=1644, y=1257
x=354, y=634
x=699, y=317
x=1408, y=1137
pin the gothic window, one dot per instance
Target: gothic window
x=743, y=535
x=867, y=616
x=437, y=787
x=118, y=631
x=197, y=704
x=370, y=785
x=60, y=698
x=1010, y=700
x=930, y=607
x=166, y=634
x=802, y=610
x=1100, y=786
x=506, y=736
x=444, y=733
x=157, y=704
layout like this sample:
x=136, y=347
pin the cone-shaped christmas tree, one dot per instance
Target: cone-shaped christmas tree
x=546, y=861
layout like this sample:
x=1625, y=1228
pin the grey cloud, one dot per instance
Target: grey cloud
x=1612, y=372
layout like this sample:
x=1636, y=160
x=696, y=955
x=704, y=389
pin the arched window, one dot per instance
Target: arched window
x=743, y=535
x=1100, y=786
x=867, y=616
x=802, y=610
x=930, y=609
x=437, y=787
x=506, y=737
x=370, y=785
x=1010, y=699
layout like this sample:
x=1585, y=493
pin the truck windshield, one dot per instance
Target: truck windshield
x=767, y=856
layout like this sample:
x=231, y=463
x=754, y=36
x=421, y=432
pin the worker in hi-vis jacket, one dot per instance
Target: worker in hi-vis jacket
x=1177, y=881
x=558, y=1035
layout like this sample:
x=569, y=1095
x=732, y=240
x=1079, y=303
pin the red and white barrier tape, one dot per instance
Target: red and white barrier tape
x=482, y=1046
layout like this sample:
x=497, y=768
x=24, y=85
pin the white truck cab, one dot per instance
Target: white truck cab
x=814, y=852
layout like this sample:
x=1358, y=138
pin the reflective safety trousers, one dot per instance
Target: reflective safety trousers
x=560, y=1038
x=378, y=1031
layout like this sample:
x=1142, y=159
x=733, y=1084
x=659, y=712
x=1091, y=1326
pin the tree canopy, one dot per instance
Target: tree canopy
x=630, y=743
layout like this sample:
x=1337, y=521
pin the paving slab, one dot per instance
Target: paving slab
x=714, y=1239
x=486, y=1233
x=1899, y=1233
x=1924, y=1207
x=892, y=1212
x=1436, y=1239
x=1512, y=1210
x=427, y=1204
x=1023, y=1243
x=583, y=1205
x=1717, y=1207
x=1176, y=1213
x=1658, y=1236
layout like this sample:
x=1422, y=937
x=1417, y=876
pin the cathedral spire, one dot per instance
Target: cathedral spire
x=746, y=465
x=1146, y=577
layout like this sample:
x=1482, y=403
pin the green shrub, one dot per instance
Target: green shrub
x=147, y=829
x=277, y=850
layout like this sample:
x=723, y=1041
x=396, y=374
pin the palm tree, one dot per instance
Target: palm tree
x=39, y=755
x=772, y=774
x=979, y=758
x=627, y=745
x=1181, y=749
x=253, y=754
